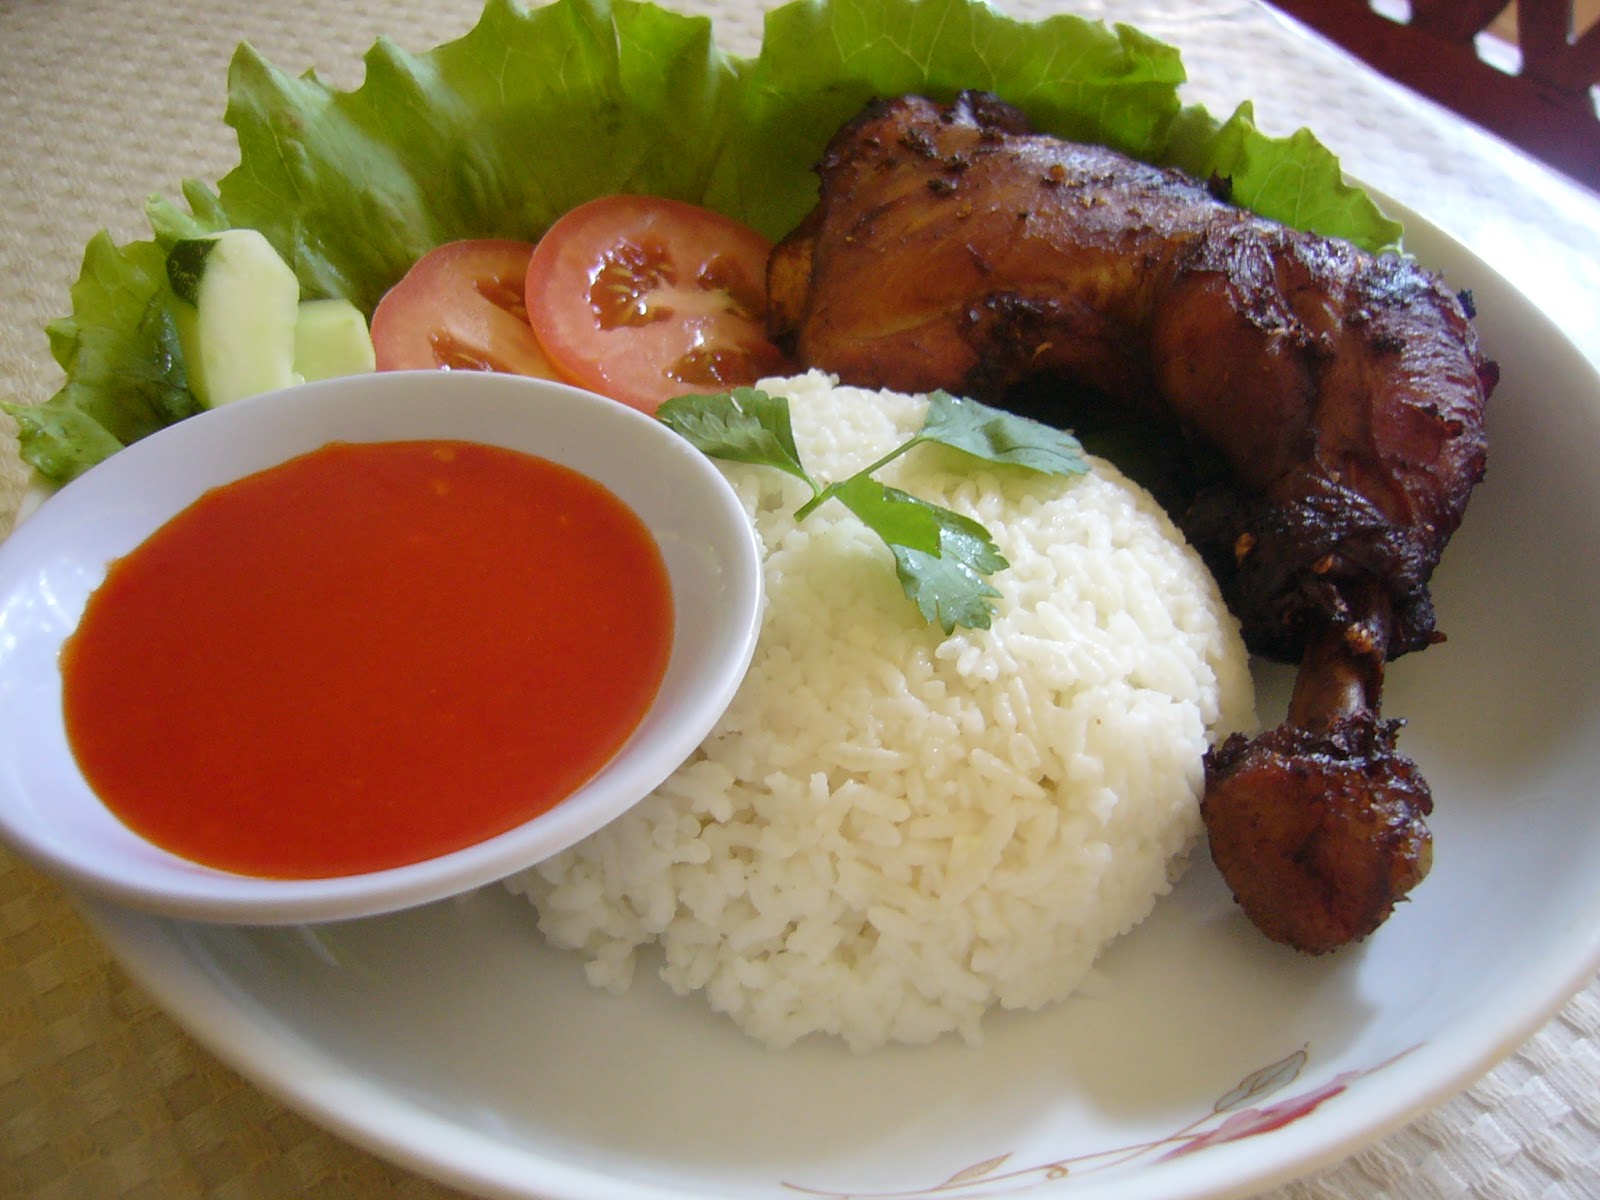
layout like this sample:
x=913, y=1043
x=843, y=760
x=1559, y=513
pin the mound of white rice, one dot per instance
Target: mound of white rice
x=892, y=830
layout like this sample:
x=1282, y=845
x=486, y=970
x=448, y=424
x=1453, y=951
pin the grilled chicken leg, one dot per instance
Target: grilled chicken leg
x=1342, y=393
x=1317, y=825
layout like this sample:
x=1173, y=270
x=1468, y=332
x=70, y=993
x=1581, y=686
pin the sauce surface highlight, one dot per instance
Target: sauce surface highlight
x=367, y=656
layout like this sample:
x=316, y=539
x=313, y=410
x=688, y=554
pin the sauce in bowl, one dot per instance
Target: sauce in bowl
x=369, y=655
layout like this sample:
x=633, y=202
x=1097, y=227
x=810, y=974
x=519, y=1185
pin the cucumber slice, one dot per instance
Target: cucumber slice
x=237, y=303
x=331, y=338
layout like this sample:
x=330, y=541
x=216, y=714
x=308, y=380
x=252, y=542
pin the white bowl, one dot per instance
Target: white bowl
x=49, y=566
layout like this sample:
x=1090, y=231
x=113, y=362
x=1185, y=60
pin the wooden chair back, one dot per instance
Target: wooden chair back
x=1547, y=107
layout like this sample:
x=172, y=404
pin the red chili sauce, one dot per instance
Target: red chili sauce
x=367, y=656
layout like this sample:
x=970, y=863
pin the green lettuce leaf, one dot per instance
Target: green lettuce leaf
x=119, y=348
x=821, y=60
x=493, y=135
x=1294, y=179
x=534, y=111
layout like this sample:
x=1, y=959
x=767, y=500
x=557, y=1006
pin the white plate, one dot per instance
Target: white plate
x=449, y=1039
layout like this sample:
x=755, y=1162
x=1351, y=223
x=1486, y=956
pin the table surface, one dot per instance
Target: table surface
x=105, y=101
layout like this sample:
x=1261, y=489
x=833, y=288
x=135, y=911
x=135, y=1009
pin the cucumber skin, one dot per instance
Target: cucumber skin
x=187, y=322
x=186, y=263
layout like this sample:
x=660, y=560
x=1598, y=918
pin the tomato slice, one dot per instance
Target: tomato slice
x=460, y=307
x=642, y=298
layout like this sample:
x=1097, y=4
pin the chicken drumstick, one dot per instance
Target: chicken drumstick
x=1343, y=392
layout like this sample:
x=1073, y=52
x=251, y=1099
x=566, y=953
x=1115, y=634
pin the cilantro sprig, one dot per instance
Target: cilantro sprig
x=942, y=558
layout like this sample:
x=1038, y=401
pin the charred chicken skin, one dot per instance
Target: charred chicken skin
x=1341, y=393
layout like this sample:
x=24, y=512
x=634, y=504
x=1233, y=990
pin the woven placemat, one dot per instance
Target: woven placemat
x=101, y=1094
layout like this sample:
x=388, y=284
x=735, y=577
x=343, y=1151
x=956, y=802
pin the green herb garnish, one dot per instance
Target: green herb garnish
x=943, y=559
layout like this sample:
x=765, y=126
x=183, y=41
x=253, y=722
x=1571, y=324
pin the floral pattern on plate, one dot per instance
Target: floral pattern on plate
x=1237, y=1114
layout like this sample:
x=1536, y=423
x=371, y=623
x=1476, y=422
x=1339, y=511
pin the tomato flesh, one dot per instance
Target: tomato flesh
x=642, y=299
x=461, y=307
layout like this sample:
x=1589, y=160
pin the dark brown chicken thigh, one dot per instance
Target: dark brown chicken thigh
x=1341, y=391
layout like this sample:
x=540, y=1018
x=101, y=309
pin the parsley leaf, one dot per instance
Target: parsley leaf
x=944, y=589
x=1001, y=437
x=898, y=518
x=745, y=425
x=942, y=558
